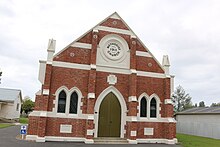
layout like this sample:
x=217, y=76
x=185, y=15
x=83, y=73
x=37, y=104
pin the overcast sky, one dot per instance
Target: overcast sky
x=188, y=31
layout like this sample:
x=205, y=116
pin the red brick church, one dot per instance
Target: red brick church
x=105, y=84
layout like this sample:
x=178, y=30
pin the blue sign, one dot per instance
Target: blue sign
x=23, y=127
x=23, y=132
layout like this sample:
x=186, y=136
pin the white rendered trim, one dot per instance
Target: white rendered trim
x=132, y=99
x=133, y=71
x=132, y=141
x=71, y=65
x=151, y=74
x=81, y=45
x=143, y=54
x=65, y=128
x=113, y=70
x=115, y=16
x=54, y=138
x=133, y=133
x=108, y=69
x=92, y=117
x=80, y=139
x=89, y=132
x=53, y=114
x=115, y=30
x=145, y=119
x=46, y=91
x=162, y=140
x=168, y=101
x=42, y=70
x=93, y=66
x=91, y=95
x=123, y=108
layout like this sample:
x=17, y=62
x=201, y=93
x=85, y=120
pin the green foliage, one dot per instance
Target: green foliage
x=215, y=105
x=202, y=104
x=27, y=105
x=181, y=99
x=23, y=120
x=197, y=141
x=5, y=125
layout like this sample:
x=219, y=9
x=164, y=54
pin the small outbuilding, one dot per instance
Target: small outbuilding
x=10, y=103
x=200, y=121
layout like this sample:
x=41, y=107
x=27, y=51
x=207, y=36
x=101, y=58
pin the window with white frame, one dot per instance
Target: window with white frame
x=149, y=106
x=62, y=102
x=73, y=103
x=68, y=101
x=153, y=108
x=143, y=107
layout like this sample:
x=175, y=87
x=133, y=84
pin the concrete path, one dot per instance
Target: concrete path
x=8, y=139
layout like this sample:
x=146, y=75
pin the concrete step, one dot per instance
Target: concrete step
x=110, y=140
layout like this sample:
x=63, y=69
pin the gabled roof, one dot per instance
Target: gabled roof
x=200, y=111
x=116, y=16
x=9, y=95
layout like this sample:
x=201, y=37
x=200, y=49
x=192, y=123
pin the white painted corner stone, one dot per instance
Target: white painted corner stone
x=90, y=117
x=132, y=99
x=89, y=132
x=91, y=95
x=46, y=91
x=93, y=66
x=133, y=133
x=168, y=101
x=133, y=71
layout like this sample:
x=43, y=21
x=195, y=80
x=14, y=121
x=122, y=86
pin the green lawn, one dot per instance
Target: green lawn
x=23, y=120
x=5, y=125
x=196, y=141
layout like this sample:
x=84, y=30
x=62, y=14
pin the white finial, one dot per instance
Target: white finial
x=51, y=49
x=51, y=45
x=166, y=64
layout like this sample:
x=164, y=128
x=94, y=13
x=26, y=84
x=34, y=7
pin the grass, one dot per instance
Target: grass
x=197, y=141
x=5, y=125
x=23, y=120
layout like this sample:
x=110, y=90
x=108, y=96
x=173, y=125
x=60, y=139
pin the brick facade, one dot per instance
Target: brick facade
x=45, y=121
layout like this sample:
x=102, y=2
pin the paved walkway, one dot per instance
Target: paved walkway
x=7, y=139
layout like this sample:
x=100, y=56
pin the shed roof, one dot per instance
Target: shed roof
x=200, y=111
x=9, y=95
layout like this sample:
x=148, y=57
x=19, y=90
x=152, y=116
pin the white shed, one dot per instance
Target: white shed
x=10, y=103
x=200, y=121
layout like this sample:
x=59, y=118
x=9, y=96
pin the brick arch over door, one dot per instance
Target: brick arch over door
x=122, y=103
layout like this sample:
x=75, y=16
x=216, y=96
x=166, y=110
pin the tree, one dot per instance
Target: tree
x=215, y=105
x=27, y=105
x=0, y=75
x=181, y=99
x=195, y=105
x=202, y=104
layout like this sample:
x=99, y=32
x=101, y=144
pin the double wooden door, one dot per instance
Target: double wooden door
x=109, y=117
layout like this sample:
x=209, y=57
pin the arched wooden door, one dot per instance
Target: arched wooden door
x=109, y=117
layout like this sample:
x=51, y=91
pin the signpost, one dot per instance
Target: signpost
x=23, y=131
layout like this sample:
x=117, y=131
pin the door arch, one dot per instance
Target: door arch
x=122, y=104
x=109, y=117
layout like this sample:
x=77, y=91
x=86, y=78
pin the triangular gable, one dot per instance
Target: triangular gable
x=104, y=23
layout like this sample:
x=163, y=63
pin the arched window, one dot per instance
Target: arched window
x=62, y=102
x=143, y=112
x=153, y=108
x=73, y=103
